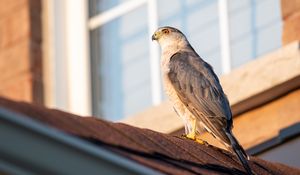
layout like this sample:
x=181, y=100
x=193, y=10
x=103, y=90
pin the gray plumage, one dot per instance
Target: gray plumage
x=199, y=89
x=195, y=91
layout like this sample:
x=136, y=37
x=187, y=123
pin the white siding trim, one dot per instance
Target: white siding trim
x=224, y=36
x=77, y=53
x=156, y=84
x=66, y=56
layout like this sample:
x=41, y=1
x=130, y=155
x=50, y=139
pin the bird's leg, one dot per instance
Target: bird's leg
x=192, y=135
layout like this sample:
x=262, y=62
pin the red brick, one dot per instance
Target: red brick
x=20, y=50
x=14, y=60
x=14, y=28
x=18, y=88
x=36, y=6
x=36, y=30
x=288, y=7
x=36, y=60
x=36, y=20
x=38, y=91
x=7, y=7
x=291, y=29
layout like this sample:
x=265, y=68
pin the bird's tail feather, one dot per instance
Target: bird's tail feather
x=240, y=152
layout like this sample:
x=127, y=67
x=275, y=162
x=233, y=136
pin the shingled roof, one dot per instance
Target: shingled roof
x=165, y=153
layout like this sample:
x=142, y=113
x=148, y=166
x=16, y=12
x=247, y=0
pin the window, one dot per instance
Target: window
x=121, y=75
x=253, y=30
x=119, y=62
x=121, y=83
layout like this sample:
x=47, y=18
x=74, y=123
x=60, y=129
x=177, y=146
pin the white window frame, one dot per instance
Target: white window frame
x=66, y=50
x=224, y=36
x=66, y=56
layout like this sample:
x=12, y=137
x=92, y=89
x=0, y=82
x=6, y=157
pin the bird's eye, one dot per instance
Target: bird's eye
x=165, y=31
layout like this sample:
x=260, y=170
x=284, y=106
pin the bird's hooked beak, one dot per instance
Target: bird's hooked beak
x=156, y=35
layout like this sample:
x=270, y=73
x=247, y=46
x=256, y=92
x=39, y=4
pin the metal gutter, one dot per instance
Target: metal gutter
x=29, y=147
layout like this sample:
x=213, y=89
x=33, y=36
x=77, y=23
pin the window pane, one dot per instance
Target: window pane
x=98, y=6
x=199, y=21
x=255, y=29
x=120, y=66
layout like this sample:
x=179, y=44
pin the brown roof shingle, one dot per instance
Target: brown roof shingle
x=166, y=153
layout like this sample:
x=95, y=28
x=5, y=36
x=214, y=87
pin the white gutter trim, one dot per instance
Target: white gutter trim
x=78, y=60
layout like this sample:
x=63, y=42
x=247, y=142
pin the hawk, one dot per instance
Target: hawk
x=195, y=91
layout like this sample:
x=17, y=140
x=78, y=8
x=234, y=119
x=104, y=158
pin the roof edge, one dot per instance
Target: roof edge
x=24, y=133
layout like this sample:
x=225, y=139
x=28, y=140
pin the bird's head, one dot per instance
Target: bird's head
x=166, y=36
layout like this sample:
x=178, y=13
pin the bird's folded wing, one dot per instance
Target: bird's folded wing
x=198, y=88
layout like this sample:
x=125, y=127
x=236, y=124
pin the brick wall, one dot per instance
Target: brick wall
x=291, y=20
x=20, y=50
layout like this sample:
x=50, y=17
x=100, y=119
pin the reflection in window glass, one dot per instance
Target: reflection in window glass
x=199, y=21
x=98, y=6
x=253, y=30
x=120, y=66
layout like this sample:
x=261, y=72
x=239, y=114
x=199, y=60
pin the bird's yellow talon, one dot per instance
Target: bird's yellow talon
x=194, y=138
x=200, y=141
x=191, y=136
